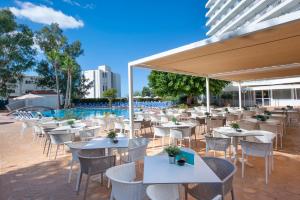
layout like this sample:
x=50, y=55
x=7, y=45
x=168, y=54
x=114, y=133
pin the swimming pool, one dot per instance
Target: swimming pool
x=82, y=113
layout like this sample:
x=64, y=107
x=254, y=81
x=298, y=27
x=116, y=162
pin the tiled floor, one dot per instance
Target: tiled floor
x=27, y=174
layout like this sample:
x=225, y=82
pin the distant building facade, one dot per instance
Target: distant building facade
x=25, y=86
x=103, y=79
x=229, y=15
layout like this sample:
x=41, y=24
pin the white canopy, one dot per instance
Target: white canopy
x=28, y=96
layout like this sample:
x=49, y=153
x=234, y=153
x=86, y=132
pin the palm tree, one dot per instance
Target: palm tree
x=68, y=65
x=54, y=56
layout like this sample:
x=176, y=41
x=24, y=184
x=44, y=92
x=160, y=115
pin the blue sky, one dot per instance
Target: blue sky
x=114, y=32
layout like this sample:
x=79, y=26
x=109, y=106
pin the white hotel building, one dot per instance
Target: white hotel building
x=103, y=78
x=230, y=15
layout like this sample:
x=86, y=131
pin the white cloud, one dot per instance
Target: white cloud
x=76, y=3
x=45, y=15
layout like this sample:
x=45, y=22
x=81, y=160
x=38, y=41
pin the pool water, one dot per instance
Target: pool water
x=82, y=113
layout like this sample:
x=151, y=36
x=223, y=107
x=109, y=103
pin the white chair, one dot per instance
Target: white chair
x=74, y=147
x=89, y=133
x=258, y=149
x=274, y=128
x=180, y=134
x=217, y=144
x=123, y=185
x=59, y=138
x=163, y=192
x=155, y=120
x=137, y=127
x=161, y=132
x=137, y=150
x=164, y=119
x=119, y=126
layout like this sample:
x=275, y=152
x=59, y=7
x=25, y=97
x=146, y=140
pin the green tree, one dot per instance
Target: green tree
x=17, y=54
x=68, y=66
x=110, y=94
x=60, y=64
x=169, y=84
x=146, y=92
x=137, y=93
x=52, y=42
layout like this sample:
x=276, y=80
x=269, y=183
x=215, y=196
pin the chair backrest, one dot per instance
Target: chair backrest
x=75, y=147
x=146, y=124
x=216, y=143
x=248, y=125
x=119, y=125
x=123, y=185
x=231, y=117
x=89, y=132
x=274, y=128
x=256, y=148
x=161, y=131
x=248, y=113
x=214, y=123
x=61, y=137
x=137, y=153
x=224, y=169
x=94, y=161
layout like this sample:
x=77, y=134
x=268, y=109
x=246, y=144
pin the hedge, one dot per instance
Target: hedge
x=105, y=100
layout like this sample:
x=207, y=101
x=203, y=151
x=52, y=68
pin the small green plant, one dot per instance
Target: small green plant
x=172, y=151
x=289, y=107
x=174, y=119
x=70, y=122
x=111, y=134
x=183, y=106
x=207, y=114
x=226, y=110
x=235, y=126
x=261, y=118
x=267, y=113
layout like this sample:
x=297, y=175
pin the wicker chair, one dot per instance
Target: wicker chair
x=146, y=124
x=230, y=118
x=217, y=144
x=124, y=186
x=59, y=138
x=137, y=150
x=248, y=114
x=93, y=162
x=225, y=170
x=258, y=149
x=214, y=123
x=74, y=147
x=89, y=133
x=181, y=134
x=293, y=118
x=119, y=126
x=247, y=125
x=161, y=132
x=274, y=128
x=163, y=192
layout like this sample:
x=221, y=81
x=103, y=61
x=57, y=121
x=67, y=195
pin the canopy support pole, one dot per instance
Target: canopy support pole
x=240, y=96
x=207, y=95
x=130, y=99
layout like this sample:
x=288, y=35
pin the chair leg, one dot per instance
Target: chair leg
x=266, y=169
x=78, y=183
x=45, y=144
x=276, y=139
x=56, y=151
x=232, y=195
x=86, y=187
x=281, y=141
x=153, y=140
x=70, y=172
x=243, y=165
x=49, y=150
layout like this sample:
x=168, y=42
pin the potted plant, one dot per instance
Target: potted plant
x=261, y=118
x=172, y=151
x=235, y=126
x=174, y=120
x=71, y=122
x=289, y=107
x=113, y=136
x=207, y=114
x=226, y=110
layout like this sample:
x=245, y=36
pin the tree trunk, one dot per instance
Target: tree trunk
x=189, y=100
x=70, y=90
x=67, y=92
x=57, y=86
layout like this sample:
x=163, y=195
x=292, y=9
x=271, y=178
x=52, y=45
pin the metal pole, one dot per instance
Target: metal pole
x=130, y=99
x=207, y=95
x=240, y=96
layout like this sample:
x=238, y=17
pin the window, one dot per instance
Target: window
x=282, y=94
